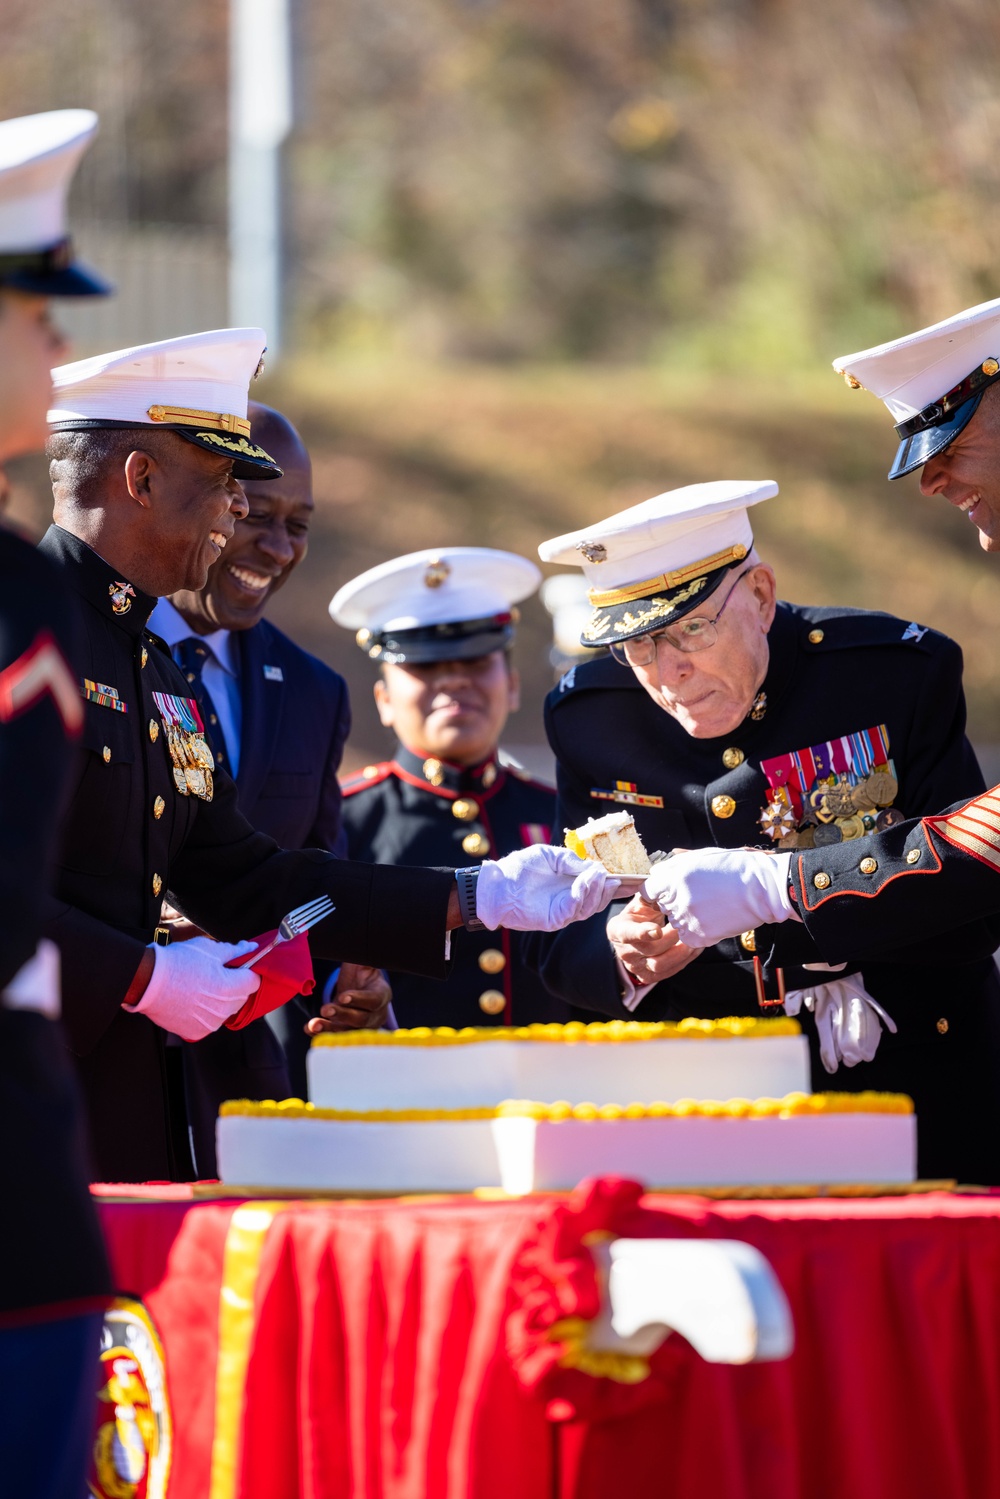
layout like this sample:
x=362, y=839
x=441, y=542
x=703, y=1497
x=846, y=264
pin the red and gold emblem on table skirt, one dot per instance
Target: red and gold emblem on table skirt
x=130, y=1457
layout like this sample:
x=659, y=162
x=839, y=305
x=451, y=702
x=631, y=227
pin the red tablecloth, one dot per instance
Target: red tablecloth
x=398, y=1350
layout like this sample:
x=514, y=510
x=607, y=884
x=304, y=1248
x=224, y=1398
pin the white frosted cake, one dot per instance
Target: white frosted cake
x=611, y=840
x=612, y=1063
x=805, y=1140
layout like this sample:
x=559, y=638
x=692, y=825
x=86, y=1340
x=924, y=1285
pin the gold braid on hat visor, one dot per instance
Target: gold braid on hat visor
x=606, y=598
x=184, y=416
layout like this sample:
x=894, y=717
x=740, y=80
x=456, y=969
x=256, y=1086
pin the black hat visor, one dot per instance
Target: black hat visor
x=460, y=640
x=53, y=272
x=249, y=461
x=913, y=452
x=664, y=606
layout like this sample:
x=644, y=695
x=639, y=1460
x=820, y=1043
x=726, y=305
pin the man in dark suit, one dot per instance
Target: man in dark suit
x=277, y=718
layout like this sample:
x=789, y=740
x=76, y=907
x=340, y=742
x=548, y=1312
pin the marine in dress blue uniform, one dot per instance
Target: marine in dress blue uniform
x=857, y=724
x=54, y=1276
x=453, y=604
x=149, y=811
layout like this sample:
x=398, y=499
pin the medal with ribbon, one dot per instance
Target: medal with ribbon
x=190, y=755
x=840, y=789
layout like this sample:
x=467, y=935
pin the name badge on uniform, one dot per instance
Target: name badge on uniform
x=273, y=674
x=105, y=697
x=628, y=793
x=192, y=759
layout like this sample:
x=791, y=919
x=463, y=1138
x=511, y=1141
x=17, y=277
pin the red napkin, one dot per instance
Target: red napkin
x=286, y=970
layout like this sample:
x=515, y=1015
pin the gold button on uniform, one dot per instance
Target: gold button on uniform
x=464, y=809
x=106, y=752
x=157, y=884
x=723, y=806
x=492, y=1002
x=822, y=881
x=158, y=807
x=489, y=776
x=145, y=656
x=748, y=941
x=154, y=730
x=868, y=866
x=476, y=844
x=732, y=757
x=434, y=771
x=492, y=960
x=913, y=856
x=815, y=637
x=942, y=1027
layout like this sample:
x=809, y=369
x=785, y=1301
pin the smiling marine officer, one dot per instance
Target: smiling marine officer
x=148, y=447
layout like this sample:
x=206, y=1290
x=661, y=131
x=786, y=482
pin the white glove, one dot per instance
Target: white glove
x=713, y=893
x=191, y=991
x=847, y=1020
x=36, y=985
x=541, y=889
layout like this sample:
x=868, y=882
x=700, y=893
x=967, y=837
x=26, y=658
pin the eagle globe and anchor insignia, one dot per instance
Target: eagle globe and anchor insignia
x=133, y=1435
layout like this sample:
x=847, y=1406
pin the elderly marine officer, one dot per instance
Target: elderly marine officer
x=148, y=447
x=722, y=717
x=277, y=718
x=54, y=1279
x=441, y=623
x=941, y=875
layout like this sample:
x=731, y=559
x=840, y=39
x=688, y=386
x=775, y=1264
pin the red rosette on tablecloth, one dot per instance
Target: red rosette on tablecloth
x=556, y=1291
x=287, y=970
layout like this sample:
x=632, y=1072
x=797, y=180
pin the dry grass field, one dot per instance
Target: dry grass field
x=408, y=456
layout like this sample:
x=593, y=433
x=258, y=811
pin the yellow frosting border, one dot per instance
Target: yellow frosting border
x=792, y=1105
x=689, y=1029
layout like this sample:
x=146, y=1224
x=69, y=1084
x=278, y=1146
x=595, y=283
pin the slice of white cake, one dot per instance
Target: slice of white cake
x=612, y=841
x=825, y=1139
x=612, y=1062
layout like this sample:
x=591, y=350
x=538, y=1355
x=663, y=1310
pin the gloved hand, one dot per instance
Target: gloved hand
x=541, y=889
x=713, y=893
x=847, y=1020
x=191, y=991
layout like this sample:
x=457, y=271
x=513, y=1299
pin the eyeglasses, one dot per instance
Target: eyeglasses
x=696, y=633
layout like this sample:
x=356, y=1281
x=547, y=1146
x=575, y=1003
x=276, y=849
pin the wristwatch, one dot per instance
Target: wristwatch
x=467, y=880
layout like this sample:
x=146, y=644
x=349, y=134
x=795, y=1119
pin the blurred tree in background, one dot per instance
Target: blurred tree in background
x=707, y=183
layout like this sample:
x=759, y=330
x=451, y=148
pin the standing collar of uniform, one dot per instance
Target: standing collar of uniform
x=447, y=779
x=168, y=622
x=97, y=581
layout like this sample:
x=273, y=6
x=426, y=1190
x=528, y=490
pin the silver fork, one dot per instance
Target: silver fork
x=295, y=923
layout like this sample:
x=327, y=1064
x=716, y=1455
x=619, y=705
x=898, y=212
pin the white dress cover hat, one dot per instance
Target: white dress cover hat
x=932, y=381
x=655, y=562
x=441, y=604
x=197, y=386
x=38, y=156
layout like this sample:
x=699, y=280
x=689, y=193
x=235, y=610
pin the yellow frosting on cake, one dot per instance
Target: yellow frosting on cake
x=691, y=1028
x=792, y=1105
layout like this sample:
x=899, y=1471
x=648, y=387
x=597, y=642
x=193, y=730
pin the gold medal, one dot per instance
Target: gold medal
x=883, y=788
x=818, y=802
x=195, y=779
x=851, y=827
x=180, y=782
x=839, y=799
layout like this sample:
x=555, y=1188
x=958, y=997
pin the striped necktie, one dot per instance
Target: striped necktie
x=192, y=657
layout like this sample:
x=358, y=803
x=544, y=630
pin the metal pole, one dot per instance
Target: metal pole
x=260, y=119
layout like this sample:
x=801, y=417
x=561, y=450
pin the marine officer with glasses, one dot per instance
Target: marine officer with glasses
x=719, y=717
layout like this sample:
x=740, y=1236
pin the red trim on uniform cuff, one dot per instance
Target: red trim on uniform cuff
x=866, y=892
